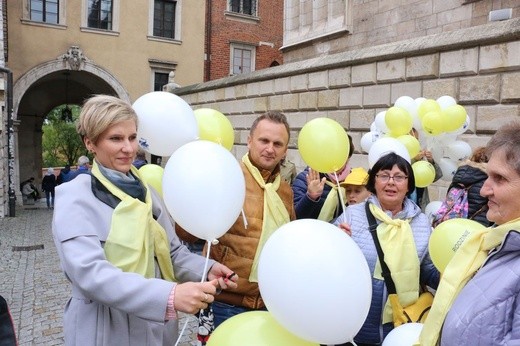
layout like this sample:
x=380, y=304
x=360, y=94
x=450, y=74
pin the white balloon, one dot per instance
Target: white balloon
x=459, y=151
x=405, y=335
x=448, y=168
x=309, y=295
x=431, y=209
x=380, y=122
x=447, y=138
x=204, y=189
x=368, y=139
x=419, y=100
x=446, y=101
x=407, y=103
x=437, y=152
x=166, y=122
x=385, y=146
x=373, y=127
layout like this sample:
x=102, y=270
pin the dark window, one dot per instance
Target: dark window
x=164, y=18
x=100, y=14
x=241, y=60
x=243, y=6
x=160, y=79
x=44, y=11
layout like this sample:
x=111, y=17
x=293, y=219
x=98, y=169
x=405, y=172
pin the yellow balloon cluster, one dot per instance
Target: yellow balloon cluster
x=446, y=239
x=324, y=145
x=436, y=119
x=215, y=127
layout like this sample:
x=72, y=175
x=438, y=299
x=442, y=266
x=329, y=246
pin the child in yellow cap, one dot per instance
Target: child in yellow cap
x=355, y=186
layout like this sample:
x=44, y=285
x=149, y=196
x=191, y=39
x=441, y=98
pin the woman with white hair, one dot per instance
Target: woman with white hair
x=48, y=185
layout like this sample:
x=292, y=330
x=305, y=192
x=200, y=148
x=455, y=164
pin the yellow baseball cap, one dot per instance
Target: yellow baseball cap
x=357, y=176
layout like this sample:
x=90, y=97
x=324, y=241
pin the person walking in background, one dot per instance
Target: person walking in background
x=403, y=232
x=268, y=205
x=64, y=175
x=83, y=163
x=317, y=195
x=129, y=272
x=478, y=299
x=48, y=185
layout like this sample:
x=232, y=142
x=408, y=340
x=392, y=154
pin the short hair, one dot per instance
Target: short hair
x=141, y=154
x=387, y=162
x=100, y=112
x=507, y=138
x=479, y=155
x=83, y=160
x=275, y=117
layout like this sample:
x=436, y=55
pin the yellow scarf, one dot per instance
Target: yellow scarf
x=135, y=237
x=398, y=246
x=275, y=213
x=331, y=202
x=465, y=263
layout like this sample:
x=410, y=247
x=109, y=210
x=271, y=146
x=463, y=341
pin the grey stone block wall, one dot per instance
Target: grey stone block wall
x=478, y=66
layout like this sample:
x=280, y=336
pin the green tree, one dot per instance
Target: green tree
x=61, y=144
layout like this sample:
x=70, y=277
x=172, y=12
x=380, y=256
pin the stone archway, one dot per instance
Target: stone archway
x=70, y=78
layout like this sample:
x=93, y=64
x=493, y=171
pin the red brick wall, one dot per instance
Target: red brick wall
x=224, y=31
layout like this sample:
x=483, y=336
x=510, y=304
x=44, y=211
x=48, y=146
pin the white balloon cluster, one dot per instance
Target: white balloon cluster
x=437, y=123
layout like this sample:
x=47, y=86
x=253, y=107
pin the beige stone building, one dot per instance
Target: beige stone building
x=349, y=59
x=60, y=52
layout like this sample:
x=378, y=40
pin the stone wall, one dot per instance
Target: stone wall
x=478, y=66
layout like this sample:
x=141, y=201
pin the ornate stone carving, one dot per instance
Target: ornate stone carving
x=74, y=58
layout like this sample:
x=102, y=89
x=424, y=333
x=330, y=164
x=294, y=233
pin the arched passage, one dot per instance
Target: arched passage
x=43, y=88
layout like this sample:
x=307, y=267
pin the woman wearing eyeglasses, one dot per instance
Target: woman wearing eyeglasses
x=403, y=232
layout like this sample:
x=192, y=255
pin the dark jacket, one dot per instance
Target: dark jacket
x=305, y=207
x=473, y=174
x=49, y=183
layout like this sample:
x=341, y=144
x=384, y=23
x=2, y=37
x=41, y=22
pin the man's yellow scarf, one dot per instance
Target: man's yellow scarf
x=465, y=263
x=135, y=237
x=331, y=202
x=275, y=212
x=396, y=238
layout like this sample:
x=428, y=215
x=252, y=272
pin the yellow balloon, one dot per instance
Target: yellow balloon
x=254, y=328
x=398, y=121
x=152, y=175
x=411, y=143
x=427, y=106
x=215, y=126
x=323, y=144
x=432, y=123
x=447, y=237
x=424, y=173
x=453, y=117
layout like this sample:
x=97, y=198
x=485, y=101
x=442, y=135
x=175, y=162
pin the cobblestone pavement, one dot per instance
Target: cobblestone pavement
x=33, y=283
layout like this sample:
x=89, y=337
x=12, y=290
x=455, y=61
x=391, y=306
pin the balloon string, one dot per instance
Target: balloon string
x=340, y=194
x=204, y=275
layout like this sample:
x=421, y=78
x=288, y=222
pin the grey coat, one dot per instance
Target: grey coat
x=487, y=310
x=373, y=331
x=109, y=306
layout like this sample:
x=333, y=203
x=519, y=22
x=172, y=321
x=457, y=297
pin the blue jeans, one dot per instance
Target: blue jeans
x=223, y=311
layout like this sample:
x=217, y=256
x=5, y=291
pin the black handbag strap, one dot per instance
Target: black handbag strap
x=372, y=227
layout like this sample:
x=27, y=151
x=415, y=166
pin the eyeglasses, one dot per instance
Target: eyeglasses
x=385, y=178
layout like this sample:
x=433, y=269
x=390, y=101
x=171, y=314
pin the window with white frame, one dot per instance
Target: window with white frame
x=46, y=11
x=243, y=6
x=242, y=58
x=100, y=14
